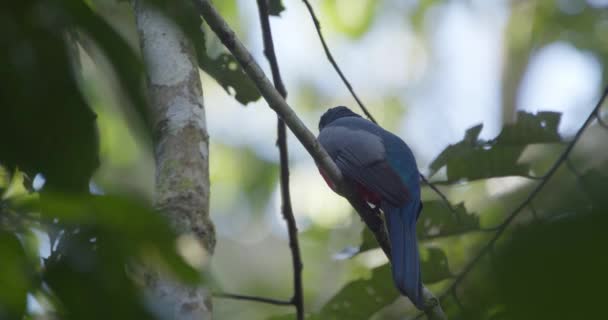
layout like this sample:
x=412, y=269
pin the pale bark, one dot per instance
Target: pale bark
x=181, y=148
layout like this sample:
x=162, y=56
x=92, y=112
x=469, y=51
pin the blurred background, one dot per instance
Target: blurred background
x=428, y=70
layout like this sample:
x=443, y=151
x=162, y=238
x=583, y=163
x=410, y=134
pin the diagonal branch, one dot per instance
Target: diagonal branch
x=306, y=138
x=298, y=297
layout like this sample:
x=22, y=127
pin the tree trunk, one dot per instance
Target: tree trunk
x=181, y=148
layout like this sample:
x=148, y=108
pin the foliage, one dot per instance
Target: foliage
x=49, y=129
x=473, y=158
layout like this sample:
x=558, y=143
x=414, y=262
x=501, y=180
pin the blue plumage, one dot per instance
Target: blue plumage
x=382, y=167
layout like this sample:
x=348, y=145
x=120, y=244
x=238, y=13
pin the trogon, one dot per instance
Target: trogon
x=382, y=170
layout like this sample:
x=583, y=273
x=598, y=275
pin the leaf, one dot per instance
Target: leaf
x=14, y=280
x=360, y=299
x=562, y=266
x=90, y=281
x=223, y=68
x=434, y=265
x=132, y=228
x=473, y=158
x=275, y=7
x=126, y=63
x=436, y=220
x=361, y=15
x=47, y=125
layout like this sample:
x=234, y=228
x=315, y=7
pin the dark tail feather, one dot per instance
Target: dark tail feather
x=401, y=223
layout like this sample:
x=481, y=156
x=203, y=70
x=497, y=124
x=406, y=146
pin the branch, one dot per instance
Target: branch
x=252, y=298
x=306, y=138
x=528, y=201
x=292, y=229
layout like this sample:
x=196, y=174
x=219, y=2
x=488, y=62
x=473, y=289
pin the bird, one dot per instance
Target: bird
x=381, y=169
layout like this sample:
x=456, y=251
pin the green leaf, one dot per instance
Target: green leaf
x=473, y=158
x=434, y=265
x=360, y=299
x=90, y=279
x=47, y=125
x=353, y=18
x=275, y=7
x=419, y=13
x=135, y=229
x=14, y=280
x=223, y=68
x=368, y=241
x=436, y=220
x=125, y=62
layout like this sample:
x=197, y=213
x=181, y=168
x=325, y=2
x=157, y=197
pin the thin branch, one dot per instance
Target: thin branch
x=252, y=298
x=334, y=63
x=292, y=229
x=562, y=158
x=306, y=138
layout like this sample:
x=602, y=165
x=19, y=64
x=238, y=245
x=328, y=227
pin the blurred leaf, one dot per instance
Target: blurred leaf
x=434, y=265
x=90, y=281
x=555, y=270
x=473, y=158
x=275, y=7
x=352, y=18
x=360, y=299
x=594, y=184
x=419, y=13
x=47, y=125
x=125, y=62
x=368, y=241
x=223, y=68
x=135, y=229
x=436, y=220
x=14, y=280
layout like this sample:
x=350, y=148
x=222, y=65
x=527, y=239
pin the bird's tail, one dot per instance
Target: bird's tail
x=405, y=259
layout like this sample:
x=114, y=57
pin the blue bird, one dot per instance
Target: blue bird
x=382, y=170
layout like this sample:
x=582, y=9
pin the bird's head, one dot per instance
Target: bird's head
x=334, y=114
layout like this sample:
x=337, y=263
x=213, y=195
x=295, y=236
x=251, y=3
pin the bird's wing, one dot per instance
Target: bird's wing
x=376, y=175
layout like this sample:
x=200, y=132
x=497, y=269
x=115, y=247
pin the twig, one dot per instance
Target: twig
x=334, y=63
x=292, y=229
x=562, y=158
x=306, y=138
x=252, y=298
